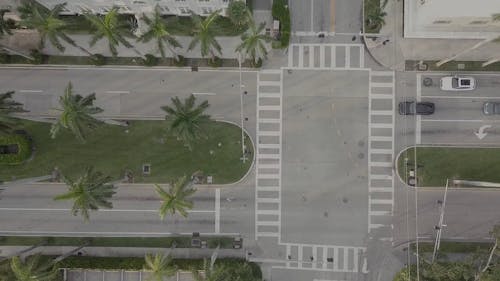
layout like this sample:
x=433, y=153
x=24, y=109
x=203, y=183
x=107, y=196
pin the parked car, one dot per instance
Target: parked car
x=416, y=108
x=491, y=108
x=457, y=83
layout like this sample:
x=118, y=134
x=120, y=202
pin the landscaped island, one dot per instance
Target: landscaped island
x=436, y=164
x=115, y=150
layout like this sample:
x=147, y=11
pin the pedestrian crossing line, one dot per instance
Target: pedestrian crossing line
x=374, y=172
x=309, y=58
x=273, y=175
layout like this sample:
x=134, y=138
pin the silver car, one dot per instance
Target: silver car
x=491, y=108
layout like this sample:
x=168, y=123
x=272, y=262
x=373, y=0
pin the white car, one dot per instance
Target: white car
x=457, y=83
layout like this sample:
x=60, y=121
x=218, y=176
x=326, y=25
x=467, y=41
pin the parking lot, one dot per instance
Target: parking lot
x=325, y=135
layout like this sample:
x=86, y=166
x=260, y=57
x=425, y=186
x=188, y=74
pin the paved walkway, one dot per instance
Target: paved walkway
x=118, y=275
x=398, y=49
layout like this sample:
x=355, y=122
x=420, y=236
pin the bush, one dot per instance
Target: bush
x=150, y=60
x=257, y=64
x=237, y=12
x=24, y=149
x=98, y=59
x=37, y=57
x=281, y=12
x=215, y=62
x=4, y=58
x=180, y=61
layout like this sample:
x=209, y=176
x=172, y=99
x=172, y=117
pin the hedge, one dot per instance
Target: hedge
x=24, y=146
x=281, y=12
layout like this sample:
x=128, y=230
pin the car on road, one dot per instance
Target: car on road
x=458, y=83
x=491, y=108
x=416, y=108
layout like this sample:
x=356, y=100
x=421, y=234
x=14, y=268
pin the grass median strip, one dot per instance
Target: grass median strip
x=141, y=242
x=114, y=150
x=436, y=164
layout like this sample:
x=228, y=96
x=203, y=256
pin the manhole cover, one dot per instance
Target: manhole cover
x=361, y=155
x=345, y=200
x=427, y=81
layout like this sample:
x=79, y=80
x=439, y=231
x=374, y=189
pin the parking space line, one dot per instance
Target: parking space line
x=217, y=210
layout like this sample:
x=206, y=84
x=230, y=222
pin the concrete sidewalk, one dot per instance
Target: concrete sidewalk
x=180, y=253
x=397, y=49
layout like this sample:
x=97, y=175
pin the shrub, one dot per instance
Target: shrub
x=237, y=12
x=24, y=149
x=215, y=62
x=98, y=59
x=150, y=60
x=37, y=57
x=281, y=12
x=257, y=64
x=180, y=61
x=4, y=58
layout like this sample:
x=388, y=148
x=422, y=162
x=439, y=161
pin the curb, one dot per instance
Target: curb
x=123, y=67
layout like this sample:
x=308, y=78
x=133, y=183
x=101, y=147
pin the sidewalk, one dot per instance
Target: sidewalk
x=181, y=253
x=398, y=49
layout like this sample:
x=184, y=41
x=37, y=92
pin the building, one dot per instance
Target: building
x=168, y=7
x=452, y=19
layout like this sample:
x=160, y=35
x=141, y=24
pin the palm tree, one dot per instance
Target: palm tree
x=158, y=30
x=4, y=25
x=76, y=114
x=7, y=107
x=33, y=269
x=185, y=120
x=111, y=28
x=375, y=16
x=46, y=22
x=495, y=17
x=204, y=34
x=175, y=199
x=90, y=191
x=159, y=266
x=253, y=43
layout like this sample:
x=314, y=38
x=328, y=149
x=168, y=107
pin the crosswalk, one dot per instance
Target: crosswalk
x=326, y=56
x=268, y=155
x=325, y=258
x=381, y=153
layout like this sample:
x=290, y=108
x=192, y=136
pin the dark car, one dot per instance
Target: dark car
x=491, y=108
x=416, y=108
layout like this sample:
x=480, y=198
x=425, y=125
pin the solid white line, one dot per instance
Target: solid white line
x=30, y=91
x=347, y=57
x=461, y=120
x=100, y=210
x=361, y=57
x=333, y=57
x=322, y=56
x=418, y=130
x=311, y=56
x=162, y=234
x=315, y=256
x=205, y=94
x=299, y=256
x=118, y=92
x=336, y=258
x=461, y=97
x=217, y=210
x=312, y=15
x=290, y=56
x=325, y=256
x=301, y=56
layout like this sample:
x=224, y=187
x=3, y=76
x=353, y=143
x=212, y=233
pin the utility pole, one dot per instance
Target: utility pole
x=440, y=225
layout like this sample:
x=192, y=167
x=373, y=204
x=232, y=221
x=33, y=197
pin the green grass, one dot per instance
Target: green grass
x=453, y=65
x=141, y=242
x=452, y=247
x=113, y=151
x=440, y=163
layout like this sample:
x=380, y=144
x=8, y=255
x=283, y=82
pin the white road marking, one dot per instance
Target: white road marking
x=419, y=87
x=312, y=15
x=322, y=64
x=30, y=91
x=347, y=57
x=100, y=210
x=418, y=130
x=204, y=94
x=461, y=97
x=460, y=120
x=76, y=233
x=118, y=92
x=217, y=210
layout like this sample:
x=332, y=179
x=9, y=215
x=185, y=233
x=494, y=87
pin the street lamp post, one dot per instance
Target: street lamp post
x=243, y=156
x=440, y=225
